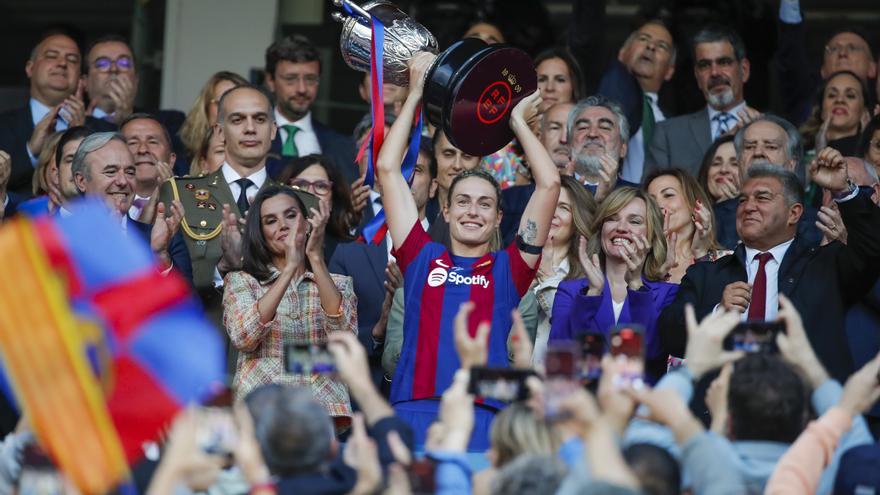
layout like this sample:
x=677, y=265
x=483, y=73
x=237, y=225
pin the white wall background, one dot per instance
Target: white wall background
x=206, y=36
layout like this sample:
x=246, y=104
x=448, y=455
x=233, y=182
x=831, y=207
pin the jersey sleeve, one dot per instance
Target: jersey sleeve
x=411, y=247
x=520, y=271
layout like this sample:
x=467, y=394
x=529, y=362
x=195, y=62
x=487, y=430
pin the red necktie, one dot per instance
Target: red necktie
x=759, y=289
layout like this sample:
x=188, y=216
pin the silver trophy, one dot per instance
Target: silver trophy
x=404, y=38
x=470, y=87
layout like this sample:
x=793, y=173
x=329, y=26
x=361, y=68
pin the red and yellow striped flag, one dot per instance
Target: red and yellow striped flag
x=43, y=347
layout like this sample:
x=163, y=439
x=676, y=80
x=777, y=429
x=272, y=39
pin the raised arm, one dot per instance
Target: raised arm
x=401, y=212
x=535, y=223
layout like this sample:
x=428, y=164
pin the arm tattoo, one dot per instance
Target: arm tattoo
x=529, y=233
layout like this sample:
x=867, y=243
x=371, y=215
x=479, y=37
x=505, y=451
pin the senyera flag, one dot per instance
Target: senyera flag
x=100, y=347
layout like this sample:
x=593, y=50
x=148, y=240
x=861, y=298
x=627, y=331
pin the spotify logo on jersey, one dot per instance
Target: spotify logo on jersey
x=437, y=277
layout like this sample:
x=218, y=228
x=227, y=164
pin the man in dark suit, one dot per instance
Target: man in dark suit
x=822, y=282
x=645, y=61
x=55, y=103
x=293, y=74
x=111, y=82
x=721, y=69
x=104, y=168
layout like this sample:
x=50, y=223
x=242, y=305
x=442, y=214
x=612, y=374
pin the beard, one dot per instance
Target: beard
x=720, y=100
x=588, y=166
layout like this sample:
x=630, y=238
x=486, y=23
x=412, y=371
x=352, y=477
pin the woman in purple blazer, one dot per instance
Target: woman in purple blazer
x=625, y=262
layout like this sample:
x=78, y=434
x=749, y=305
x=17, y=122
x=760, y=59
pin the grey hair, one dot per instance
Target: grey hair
x=673, y=51
x=530, y=474
x=599, y=101
x=716, y=33
x=221, y=113
x=294, y=431
x=791, y=185
x=872, y=172
x=91, y=143
x=794, y=143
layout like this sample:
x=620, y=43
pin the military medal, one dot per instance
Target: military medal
x=189, y=186
x=202, y=194
x=212, y=206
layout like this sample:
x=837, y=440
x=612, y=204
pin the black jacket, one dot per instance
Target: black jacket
x=822, y=282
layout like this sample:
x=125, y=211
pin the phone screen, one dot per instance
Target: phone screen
x=217, y=433
x=755, y=336
x=627, y=349
x=502, y=384
x=593, y=348
x=306, y=359
x=422, y=476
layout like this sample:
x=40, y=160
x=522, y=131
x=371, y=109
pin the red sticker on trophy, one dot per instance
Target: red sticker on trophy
x=494, y=102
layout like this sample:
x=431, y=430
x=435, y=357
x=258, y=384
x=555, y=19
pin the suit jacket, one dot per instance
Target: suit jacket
x=680, y=142
x=365, y=264
x=822, y=282
x=339, y=147
x=176, y=248
x=16, y=127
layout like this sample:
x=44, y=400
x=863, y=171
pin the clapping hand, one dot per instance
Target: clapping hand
x=607, y=176
x=702, y=219
x=317, y=226
x=634, y=255
x=592, y=267
x=230, y=241
x=164, y=228
x=828, y=170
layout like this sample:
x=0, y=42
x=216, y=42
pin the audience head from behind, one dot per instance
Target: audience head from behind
x=104, y=168
x=295, y=433
x=53, y=68
x=293, y=74
x=559, y=78
x=720, y=66
x=597, y=127
x=649, y=54
x=516, y=431
x=110, y=74
x=554, y=136
x=246, y=123
x=848, y=49
x=530, y=474
x=769, y=139
x=657, y=471
x=770, y=205
x=767, y=400
x=150, y=145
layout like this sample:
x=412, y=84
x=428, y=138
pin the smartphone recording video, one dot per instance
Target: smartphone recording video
x=628, y=350
x=305, y=359
x=422, y=478
x=217, y=433
x=593, y=348
x=755, y=337
x=501, y=384
x=562, y=365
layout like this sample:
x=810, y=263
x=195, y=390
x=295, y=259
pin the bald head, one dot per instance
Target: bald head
x=554, y=135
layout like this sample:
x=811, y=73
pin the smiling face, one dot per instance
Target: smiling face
x=247, y=128
x=149, y=145
x=762, y=218
x=560, y=226
x=472, y=212
x=295, y=85
x=554, y=81
x=596, y=133
x=844, y=103
x=620, y=229
x=719, y=75
x=723, y=169
x=280, y=217
x=110, y=176
x=667, y=192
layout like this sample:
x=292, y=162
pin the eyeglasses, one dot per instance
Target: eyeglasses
x=103, y=64
x=849, y=48
x=319, y=187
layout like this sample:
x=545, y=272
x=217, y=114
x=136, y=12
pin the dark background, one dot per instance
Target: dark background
x=529, y=24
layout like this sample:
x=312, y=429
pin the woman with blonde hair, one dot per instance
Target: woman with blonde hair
x=625, y=264
x=203, y=113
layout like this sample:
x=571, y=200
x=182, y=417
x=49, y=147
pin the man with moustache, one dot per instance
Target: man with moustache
x=721, y=69
x=645, y=61
x=104, y=168
x=293, y=74
x=846, y=49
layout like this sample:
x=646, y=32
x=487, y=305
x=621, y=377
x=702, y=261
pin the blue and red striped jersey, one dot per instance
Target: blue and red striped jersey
x=436, y=283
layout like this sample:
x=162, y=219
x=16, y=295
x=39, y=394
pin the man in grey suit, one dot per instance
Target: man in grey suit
x=721, y=69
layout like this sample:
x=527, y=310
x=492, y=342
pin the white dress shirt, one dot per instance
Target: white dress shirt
x=258, y=178
x=771, y=270
x=634, y=163
x=38, y=111
x=714, y=125
x=306, y=140
x=135, y=211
